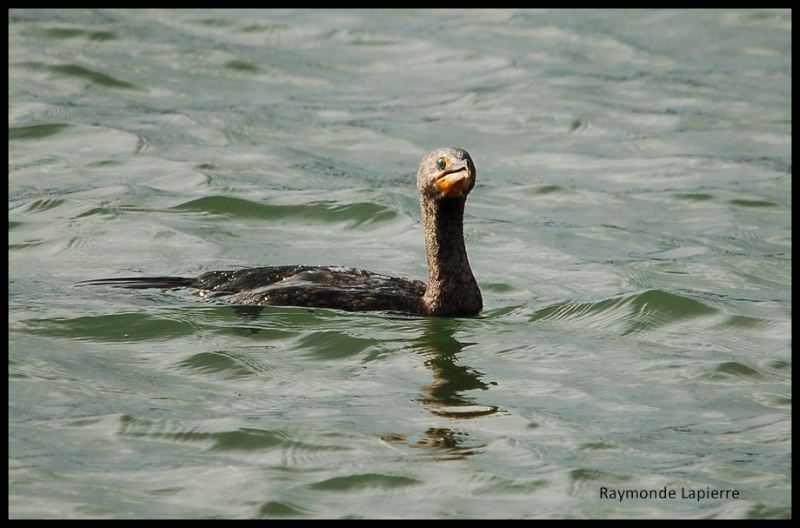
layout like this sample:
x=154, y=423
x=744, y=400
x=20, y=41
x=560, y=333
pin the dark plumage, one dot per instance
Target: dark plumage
x=444, y=179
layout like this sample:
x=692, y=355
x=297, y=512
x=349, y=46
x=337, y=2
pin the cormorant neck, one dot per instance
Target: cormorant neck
x=452, y=288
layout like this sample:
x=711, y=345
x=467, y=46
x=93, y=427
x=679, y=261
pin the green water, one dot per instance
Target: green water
x=630, y=230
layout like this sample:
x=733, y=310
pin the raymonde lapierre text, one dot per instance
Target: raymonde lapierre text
x=698, y=495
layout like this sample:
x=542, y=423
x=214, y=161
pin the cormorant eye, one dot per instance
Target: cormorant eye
x=442, y=163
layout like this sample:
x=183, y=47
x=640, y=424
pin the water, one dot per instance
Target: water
x=630, y=230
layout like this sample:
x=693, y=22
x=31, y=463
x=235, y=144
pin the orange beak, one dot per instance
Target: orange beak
x=453, y=183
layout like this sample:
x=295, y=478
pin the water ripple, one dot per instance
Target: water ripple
x=632, y=313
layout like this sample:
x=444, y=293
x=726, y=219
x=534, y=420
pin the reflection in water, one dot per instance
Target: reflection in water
x=447, y=441
x=445, y=396
x=248, y=314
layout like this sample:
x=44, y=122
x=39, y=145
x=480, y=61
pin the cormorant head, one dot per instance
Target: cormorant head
x=446, y=172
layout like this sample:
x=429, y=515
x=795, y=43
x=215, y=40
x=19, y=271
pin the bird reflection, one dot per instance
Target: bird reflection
x=445, y=396
x=450, y=395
